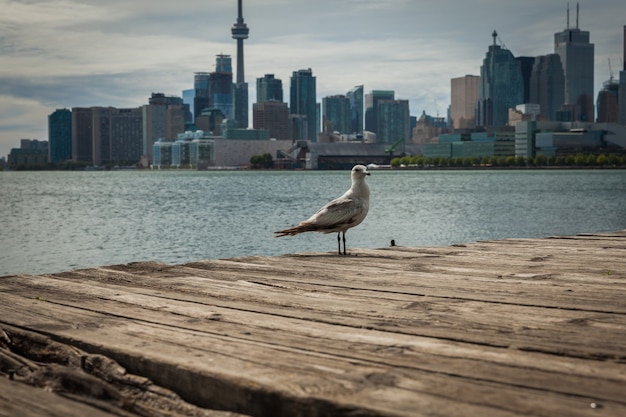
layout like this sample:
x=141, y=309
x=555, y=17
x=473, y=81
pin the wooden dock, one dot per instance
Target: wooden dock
x=494, y=328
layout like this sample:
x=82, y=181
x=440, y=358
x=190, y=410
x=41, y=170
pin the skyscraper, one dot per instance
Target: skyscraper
x=526, y=64
x=464, y=94
x=371, y=107
x=240, y=32
x=60, y=135
x=163, y=118
x=272, y=116
x=606, y=102
x=81, y=134
x=393, y=121
x=221, y=87
x=501, y=86
x=302, y=100
x=269, y=88
x=576, y=53
x=547, y=84
x=336, y=114
x=356, y=109
x=117, y=135
x=201, y=93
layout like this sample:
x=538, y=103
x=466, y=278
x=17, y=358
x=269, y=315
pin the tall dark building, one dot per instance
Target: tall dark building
x=60, y=135
x=215, y=90
x=240, y=32
x=272, y=116
x=371, y=107
x=221, y=87
x=303, y=101
x=356, y=109
x=117, y=135
x=547, y=85
x=577, y=53
x=501, y=86
x=163, y=118
x=336, y=114
x=82, y=134
x=201, y=99
x=269, y=88
x=526, y=66
x=606, y=103
x=393, y=122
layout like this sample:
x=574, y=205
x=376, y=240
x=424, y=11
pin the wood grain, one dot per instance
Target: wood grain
x=494, y=328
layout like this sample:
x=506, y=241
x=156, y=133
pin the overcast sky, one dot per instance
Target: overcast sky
x=71, y=53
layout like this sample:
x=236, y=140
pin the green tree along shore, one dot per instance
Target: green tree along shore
x=265, y=161
x=577, y=161
x=65, y=166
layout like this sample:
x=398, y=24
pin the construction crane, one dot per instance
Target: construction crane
x=391, y=148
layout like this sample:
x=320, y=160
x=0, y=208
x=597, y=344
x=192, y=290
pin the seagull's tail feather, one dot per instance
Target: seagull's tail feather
x=301, y=228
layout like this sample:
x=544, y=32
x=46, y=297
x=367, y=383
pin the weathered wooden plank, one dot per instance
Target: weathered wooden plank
x=463, y=320
x=514, y=327
x=228, y=356
x=17, y=399
x=83, y=384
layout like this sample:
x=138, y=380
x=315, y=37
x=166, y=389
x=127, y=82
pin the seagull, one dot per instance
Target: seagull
x=340, y=214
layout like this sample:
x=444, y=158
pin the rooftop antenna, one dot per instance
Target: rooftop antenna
x=567, y=16
x=577, y=11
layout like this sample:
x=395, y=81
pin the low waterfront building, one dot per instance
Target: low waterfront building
x=162, y=153
x=568, y=142
x=31, y=153
x=201, y=152
x=475, y=144
x=229, y=130
x=565, y=138
x=345, y=155
x=181, y=151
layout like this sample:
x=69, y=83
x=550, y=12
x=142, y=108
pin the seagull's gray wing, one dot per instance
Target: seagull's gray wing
x=337, y=212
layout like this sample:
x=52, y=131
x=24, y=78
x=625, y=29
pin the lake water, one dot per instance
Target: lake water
x=57, y=221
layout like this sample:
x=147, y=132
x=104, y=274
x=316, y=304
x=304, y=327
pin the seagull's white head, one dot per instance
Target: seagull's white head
x=359, y=171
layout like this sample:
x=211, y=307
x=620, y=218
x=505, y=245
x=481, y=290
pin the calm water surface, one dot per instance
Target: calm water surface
x=57, y=221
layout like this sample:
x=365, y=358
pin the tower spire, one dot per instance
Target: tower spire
x=240, y=32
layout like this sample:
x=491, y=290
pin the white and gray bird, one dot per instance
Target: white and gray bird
x=340, y=214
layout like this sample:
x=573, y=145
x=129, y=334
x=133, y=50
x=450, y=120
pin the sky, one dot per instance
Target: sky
x=70, y=53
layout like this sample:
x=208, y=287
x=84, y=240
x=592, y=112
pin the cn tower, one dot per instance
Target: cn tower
x=240, y=32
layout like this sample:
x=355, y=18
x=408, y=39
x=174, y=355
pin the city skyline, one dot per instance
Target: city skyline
x=60, y=54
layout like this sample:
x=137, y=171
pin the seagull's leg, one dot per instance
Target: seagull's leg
x=344, y=243
x=339, y=243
